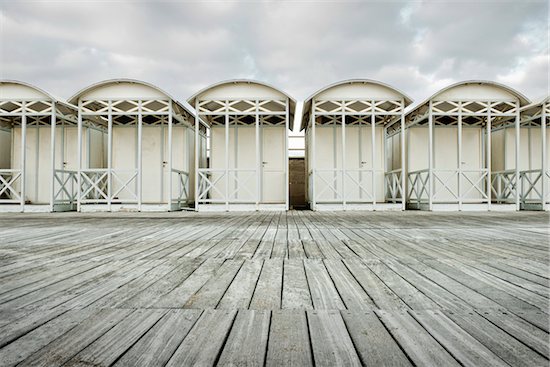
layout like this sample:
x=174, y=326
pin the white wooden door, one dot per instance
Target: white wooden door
x=273, y=165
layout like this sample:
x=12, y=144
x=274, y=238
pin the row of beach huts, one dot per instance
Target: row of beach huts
x=128, y=145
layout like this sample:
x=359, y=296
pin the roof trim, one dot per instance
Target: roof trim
x=77, y=95
x=191, y=99
x=407, y=99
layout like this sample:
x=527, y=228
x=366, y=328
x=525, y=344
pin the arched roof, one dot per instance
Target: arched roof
x=17, y=90
x=230, y=88
x=349, y=82
x=22, y=90
x=487, y=89
x=125, y=88
x=346, y=89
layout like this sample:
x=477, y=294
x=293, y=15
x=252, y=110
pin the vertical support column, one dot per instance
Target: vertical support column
x=313, y=157
x=430, y=156
x=360, y=153
x=343, y=189
x=79, y=168
x=139, y=157
x=517, y=136
x=385, y=162
x=459, y=156
x=259, y=164
x=544, y=162
x=403, y=157
x=373, y=154
x=488, y=155
x=197, y=153
x=23, y=154
x=163, y=160
x=226, y=157
x=52, y=156
x=287, y=122
x=170, y=109
x=110, y=155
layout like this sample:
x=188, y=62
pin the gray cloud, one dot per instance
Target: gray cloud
x=182, y=46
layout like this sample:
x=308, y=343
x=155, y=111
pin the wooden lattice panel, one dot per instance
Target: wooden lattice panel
x=242, y=106
x=357, y=107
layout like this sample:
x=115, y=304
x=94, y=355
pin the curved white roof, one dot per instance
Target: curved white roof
x=17, y=90
x=124, y=88
x=472, y=89
x=242, y=88
x=358, y=88
x=354, y=88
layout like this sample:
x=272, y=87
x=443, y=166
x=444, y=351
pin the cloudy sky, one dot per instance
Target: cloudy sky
x=183, y=46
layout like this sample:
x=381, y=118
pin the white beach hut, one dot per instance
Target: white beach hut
x=354, y=146
x=37, y=150
x=462, y=148
x=243, y=137
x=136, y=148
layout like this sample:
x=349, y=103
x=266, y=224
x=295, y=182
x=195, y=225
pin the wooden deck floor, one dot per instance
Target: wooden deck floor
x=276, y=289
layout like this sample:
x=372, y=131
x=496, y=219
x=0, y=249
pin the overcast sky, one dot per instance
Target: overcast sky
x=182, y=46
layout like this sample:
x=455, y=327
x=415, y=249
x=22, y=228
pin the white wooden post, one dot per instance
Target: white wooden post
x=287, y=122
x=544, y=189
x=373, y=154
x=488, y=154
x=197, y=152
x=110, y=156
x=139, y=156
x=23, y=154
x=52, y=156
x=430, y=157
x=170, y=157
x=226, y=157
x=343, y=149
x=314, y=157
x=259, y=164
x=79, y=169
x=517, y=129
x=403, y=164
x=459, y=156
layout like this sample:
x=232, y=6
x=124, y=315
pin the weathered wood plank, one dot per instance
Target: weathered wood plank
x=267, y=295
x=295, y=286
x=247, y=340
x=419, y=345
x=68, y=345
x=330, y=341
x=159, y=344
x=201, y=347
x=289, y=343
x=374, y=345
x=499, y=342
x=323, y=292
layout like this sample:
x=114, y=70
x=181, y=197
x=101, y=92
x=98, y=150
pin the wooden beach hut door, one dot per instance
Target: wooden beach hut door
x=273, y=164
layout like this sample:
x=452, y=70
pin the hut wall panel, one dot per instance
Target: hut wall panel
x=152, y=158
x=417, y=140
x=217, y=160
x=124, y=157
x=97, y=150
x=5, y=149
x=273, y=180
x=510, y=151
x=497, y=151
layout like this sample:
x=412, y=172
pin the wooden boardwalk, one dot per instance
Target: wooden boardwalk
x=276, y=289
